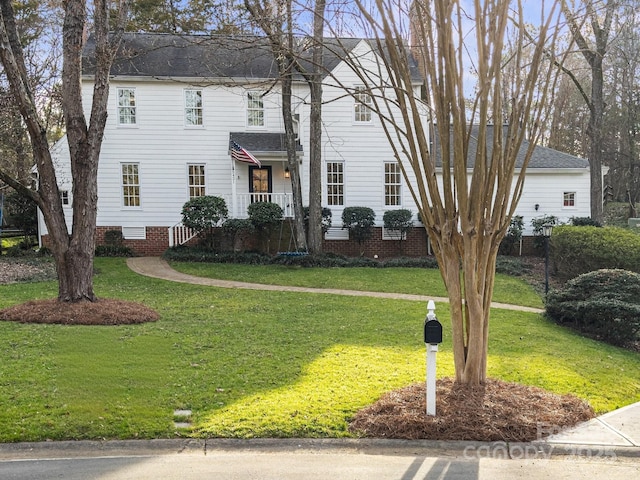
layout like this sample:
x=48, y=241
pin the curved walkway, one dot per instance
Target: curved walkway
x=156, y=267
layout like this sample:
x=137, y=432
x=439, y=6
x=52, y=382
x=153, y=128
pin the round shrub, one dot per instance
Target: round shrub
x=201, y=213
x=577, y=250
x=360, y=222
x=604, y=304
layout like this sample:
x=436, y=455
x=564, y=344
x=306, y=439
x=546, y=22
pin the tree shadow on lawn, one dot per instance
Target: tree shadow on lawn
x=263, y=364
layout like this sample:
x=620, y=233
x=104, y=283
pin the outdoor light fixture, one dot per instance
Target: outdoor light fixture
x=287, y=173
x=547, y=228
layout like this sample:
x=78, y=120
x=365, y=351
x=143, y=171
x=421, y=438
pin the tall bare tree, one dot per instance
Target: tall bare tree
x=275, y=18
x=594, y=17
x=465, y=202
x=73, y=252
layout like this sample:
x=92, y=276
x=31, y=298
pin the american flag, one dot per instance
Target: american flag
x=242, y=155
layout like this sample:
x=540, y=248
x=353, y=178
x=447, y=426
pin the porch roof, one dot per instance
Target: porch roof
x=260, y=142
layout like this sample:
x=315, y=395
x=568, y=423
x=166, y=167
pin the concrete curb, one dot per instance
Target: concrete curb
x=454, y=449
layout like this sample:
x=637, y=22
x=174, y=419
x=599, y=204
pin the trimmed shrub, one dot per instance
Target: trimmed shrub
x=360, y=222
x=326, y=219
x=604, y=304
x=236, y=230
x=113, y=237
x=511, y=266
x=577, y=250
x=538, y=224
x=584, y=222
x=513, y=236
x=194, y=254
x=265, y=216
x=113, y=251
x=201, y=213
x=398, y=224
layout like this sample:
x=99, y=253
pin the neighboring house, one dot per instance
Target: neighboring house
x=179, y=104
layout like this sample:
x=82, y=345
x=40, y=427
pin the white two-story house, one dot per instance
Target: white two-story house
x=179, y=105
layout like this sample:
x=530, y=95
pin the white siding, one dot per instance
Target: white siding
x=162, y=146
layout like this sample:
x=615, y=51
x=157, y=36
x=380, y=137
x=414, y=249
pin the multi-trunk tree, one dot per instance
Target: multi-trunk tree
x=276, y=20
x=73, y=250
x=465, y=202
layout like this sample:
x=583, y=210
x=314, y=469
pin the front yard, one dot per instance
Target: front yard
x=252, y=363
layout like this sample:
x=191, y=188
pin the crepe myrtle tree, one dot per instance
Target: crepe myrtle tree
x=465, y=203
x=73, y=250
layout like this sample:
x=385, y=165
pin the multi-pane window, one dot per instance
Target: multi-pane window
x=392, y=184
x=362, y=105
x=255, y=109
x=335, y=183
x=569, y=199
x=197, y=178
x=64, y=197
x=130, y=185
x=126, y=106
x=193, y=108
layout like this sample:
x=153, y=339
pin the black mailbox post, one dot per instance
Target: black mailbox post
x=432, y=331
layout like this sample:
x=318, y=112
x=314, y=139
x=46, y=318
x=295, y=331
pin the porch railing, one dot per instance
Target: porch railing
x=238, y=209
x=179, y=234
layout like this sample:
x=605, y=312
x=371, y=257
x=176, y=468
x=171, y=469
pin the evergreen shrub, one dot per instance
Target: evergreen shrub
x=578, y=250
x=604, y=304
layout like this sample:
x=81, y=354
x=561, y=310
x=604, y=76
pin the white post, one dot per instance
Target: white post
x=234, y=200
x=432, y=349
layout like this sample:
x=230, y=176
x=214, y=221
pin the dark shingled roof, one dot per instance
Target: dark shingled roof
x=542, y=157
x=261, y=142
x=210, y=56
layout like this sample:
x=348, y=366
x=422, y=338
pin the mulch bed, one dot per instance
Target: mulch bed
x=101, y=312
x=496, y=411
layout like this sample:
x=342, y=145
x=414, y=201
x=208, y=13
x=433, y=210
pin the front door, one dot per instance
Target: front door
x=260, y=184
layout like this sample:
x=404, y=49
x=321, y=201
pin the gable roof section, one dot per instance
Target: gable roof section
x=159, y=55
x=542, y=157
x=262, y=142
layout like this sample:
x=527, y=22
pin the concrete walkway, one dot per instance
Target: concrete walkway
x=156, y=267
x=617, y=431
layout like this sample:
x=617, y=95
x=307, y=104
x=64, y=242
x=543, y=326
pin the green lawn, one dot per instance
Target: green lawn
x=419, y=281
x=253, y=363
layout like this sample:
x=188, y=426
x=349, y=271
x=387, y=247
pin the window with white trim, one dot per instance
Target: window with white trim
x=569, y=199
x=126, y=106
x=64, y=197
x=255, y=109
x=362, y=105
x=392, y=184
x=193, y=108
x=335, y=183
x=197, y=181
x=130, y=185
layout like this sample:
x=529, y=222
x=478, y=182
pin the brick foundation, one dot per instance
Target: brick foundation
x=416, y=245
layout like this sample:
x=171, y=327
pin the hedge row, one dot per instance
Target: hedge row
x=578, y=250
x=194, y=254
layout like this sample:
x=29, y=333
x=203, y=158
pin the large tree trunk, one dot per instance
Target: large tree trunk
x=315, y=134
x=73, y=252
x=292, y=159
